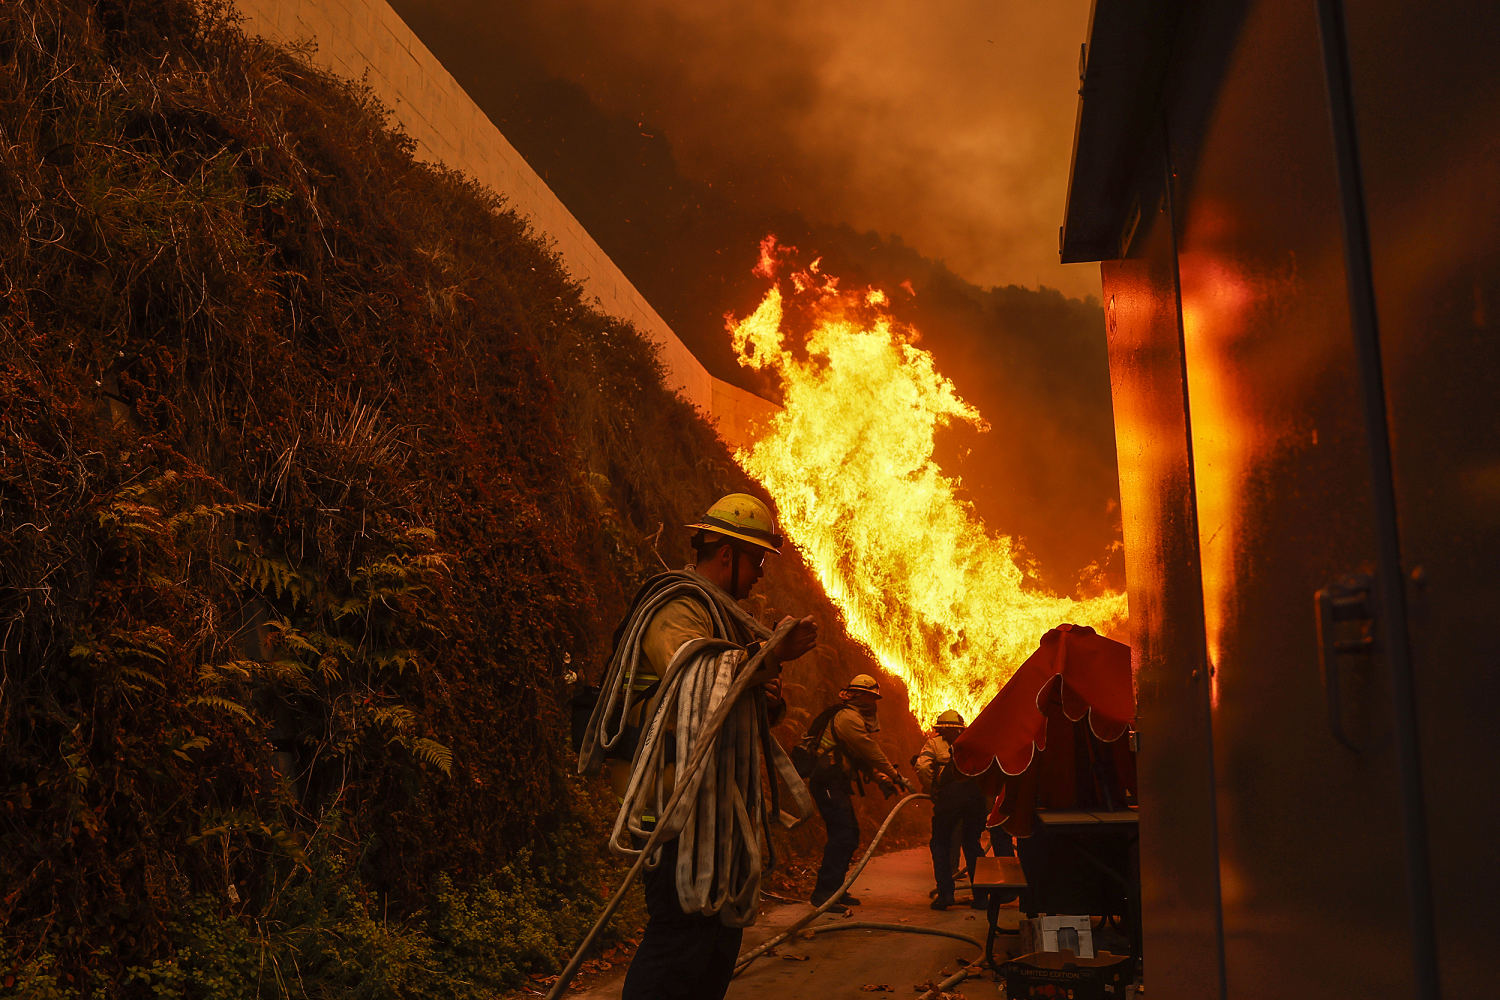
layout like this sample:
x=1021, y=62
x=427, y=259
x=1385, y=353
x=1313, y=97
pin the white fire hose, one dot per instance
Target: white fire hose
x=674, y=815
x=744, y=961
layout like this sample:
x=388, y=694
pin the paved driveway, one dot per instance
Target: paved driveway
x=859, y=963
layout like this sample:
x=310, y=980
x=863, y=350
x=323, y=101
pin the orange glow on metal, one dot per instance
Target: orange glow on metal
x=940, y=601
x=1214, y=299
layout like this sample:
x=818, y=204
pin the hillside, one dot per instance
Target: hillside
x=317, y=479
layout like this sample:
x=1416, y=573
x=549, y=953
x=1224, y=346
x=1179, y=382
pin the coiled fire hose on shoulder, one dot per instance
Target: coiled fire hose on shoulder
x=673, y=815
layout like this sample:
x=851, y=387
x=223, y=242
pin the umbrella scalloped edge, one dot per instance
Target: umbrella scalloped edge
x=1091, y=674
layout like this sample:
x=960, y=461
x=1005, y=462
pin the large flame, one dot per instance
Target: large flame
x=849, y=460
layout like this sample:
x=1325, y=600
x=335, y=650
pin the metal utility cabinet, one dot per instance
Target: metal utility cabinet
x=1297, y=209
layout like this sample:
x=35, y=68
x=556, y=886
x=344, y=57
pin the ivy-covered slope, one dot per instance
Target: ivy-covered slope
x=317, y=476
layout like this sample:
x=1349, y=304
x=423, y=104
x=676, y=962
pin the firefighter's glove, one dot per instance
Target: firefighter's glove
x=887, y=786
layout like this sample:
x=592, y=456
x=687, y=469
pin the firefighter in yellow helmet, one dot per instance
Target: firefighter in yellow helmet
x=732, y=541
x=958, y=808
x=843, y=737
x=692, y=937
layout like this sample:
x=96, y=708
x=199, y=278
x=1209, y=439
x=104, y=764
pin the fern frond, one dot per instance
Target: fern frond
x=328, y=670
x=225, y=673
x=272, y=576
x=396, y=717
x=292, y=638
x=398, y=659
x=136, y=674
x=221, y=704
x=432, y=753
x=293, y=673
x=144, y=651
x=209, y=514
x=148, y=487
x=183, y=750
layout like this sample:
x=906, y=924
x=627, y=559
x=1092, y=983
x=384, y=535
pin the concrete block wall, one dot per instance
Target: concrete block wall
x=365, y=39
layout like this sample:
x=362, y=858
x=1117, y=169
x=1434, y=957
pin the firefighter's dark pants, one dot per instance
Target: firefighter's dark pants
x=831, y=792
x=683, y=956
x=958, y=807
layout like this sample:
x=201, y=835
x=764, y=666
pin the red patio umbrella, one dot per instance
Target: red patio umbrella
x=1075, y=674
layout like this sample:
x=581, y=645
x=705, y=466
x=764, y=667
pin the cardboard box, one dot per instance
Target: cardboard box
x=1046, y=975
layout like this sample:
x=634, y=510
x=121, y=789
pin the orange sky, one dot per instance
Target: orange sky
x=948, y=124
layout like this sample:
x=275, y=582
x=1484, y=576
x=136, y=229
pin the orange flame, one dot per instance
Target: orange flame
x=849, y=460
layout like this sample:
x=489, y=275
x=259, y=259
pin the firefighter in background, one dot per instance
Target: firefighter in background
x=847, y=754
x=958, y=808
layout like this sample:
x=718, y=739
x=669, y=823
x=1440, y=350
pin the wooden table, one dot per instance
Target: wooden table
x=999, y=875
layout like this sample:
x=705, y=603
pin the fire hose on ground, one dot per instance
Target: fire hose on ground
x=833, y=900
x=744, y=961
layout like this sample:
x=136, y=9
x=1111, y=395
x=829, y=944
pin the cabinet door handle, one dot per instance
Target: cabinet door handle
x=1348, y=599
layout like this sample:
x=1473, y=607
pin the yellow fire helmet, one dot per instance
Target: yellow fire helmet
x=744, y=517
x=950, y=718
x=864, y=683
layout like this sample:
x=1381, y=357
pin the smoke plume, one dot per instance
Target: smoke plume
x=947, y=123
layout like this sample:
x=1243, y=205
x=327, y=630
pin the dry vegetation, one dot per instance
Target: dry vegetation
x=316, y=475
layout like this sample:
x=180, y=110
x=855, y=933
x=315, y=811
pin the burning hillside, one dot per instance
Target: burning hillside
x=942, y=602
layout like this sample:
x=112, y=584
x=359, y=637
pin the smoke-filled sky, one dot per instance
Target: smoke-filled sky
x=923, y=148
x=947, y=124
